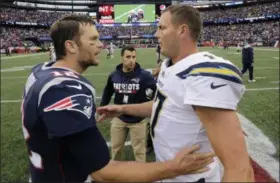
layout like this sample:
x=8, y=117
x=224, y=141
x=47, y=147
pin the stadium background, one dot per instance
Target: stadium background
x=122, y=11
x=24, y=31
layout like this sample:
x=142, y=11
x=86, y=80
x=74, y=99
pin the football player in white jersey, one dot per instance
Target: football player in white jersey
x=111, y=50
x=52, y=54
x=196, y=101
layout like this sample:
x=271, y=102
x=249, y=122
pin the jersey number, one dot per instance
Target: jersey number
x=159, y=100
x=65, y=73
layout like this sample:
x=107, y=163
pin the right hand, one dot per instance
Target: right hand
x=187, y=161
x=156, y=71
x=109, y=111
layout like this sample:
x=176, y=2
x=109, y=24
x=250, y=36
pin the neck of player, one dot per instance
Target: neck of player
x=75, y=66
x=184, y=51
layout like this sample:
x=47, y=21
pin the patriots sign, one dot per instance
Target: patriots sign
x=80, y=102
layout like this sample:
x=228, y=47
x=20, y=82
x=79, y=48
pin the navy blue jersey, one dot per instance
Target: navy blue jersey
x=247, y=54
x=132, y=18
x=135, y=87
x=140, y=15
x=58, y=121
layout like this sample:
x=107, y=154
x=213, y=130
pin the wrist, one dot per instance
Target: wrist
x=123, y=109
x=172, y=168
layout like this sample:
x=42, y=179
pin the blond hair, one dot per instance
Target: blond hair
x=184, y=14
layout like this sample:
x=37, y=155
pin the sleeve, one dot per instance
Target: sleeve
x=149, y=86
x=252, y=55
x=128, y=19
x=243, y=55
x=67, y=108
x=107, y=92
x=216, y=91
x=89, y=149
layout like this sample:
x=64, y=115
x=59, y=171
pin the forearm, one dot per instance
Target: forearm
x=232, y=153
x=237, y=167
x=105, y=100
x=136, y=172
x=142, y=110
x=238, y=175
x=107, y=93
x=226, y=137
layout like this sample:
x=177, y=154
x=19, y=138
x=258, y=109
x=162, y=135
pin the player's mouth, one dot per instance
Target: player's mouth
x=131, y=65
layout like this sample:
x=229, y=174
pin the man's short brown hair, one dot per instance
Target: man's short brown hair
x=184, y=14
x=67, y=28
x=128, y=48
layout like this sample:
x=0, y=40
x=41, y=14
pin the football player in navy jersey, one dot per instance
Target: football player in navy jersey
x=58, y=118
x=140, y=14
x=132, y=17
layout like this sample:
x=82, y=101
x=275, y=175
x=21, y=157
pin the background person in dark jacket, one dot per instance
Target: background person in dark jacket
x=248, y=61
x=8, y=51
x=158, y=54
x=131, y=84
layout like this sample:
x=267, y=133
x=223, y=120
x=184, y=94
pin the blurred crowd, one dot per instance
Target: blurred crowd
x=15, y=36
x=48, y=17
x=266, y=32
x=22, y=15
x=241, y=12
x=127, y=31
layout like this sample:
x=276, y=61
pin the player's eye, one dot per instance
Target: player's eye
x=94, y=38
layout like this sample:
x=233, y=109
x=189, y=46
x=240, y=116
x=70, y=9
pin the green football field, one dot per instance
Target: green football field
x=260, y=103
x=122, y=11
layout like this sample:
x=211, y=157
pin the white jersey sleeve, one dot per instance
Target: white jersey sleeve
x=214, y=84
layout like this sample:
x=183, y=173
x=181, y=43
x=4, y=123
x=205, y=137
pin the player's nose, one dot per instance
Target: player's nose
x=157, y=34
x=100, y=44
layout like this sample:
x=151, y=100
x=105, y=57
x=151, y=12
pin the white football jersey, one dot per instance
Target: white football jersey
x=53, y=55
x=111, y=48
x=201, y=79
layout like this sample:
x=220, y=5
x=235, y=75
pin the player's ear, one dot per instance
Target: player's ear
x=184, y=30
x=70, y=46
